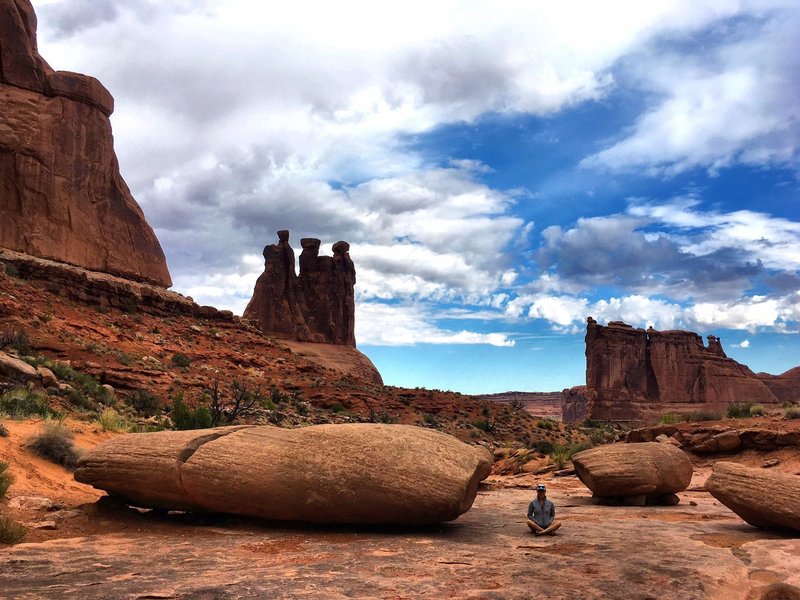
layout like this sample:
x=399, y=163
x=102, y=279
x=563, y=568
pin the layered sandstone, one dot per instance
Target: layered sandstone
x=61, y=194
x=632, y=374
x=316, y=306
x=357, y=473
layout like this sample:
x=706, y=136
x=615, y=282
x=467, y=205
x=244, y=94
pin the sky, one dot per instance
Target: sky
x=502, y=171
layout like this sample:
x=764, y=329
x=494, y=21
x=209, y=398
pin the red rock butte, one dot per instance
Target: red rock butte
x=316, y=306
x=61, y=194
x=635, y=374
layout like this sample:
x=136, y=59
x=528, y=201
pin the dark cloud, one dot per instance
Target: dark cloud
x=613, y=251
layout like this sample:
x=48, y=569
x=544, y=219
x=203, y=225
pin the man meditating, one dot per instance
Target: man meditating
x=542, y=513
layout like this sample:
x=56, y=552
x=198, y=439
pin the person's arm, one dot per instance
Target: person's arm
x=552, y=511
x=530, y=511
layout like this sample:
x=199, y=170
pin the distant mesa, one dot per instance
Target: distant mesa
x=634, y=374
x=316, y=306
x=61, y=194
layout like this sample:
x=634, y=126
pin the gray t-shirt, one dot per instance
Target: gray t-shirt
x=543, y=516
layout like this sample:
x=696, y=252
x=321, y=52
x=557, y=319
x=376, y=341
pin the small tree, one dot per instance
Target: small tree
x=227, y=410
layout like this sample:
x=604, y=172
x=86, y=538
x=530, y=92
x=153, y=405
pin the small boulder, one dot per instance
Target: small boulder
x=727, y=441
x=624, y=470
x=665, y=439
x=47, y=377
x=16, y=368
x=763, y=498
x=31, y=503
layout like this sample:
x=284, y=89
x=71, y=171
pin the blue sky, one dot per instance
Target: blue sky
x=500, y=173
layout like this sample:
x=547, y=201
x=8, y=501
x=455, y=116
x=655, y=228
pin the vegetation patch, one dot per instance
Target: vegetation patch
x=739, y=411
x=21, y=403
x=111, y=420
x=11, y=532
x=55, y=443
x=6, y=479
x=563, y=453
x=792, y=412
x=144, y=403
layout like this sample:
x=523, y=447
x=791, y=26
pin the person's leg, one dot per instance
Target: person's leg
x=534, y=527
x=551, y=529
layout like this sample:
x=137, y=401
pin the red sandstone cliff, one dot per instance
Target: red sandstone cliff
x=61, y=194
x=632, y=374
x=318, y=306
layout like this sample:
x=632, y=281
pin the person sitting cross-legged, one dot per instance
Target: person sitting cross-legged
x=542, y=514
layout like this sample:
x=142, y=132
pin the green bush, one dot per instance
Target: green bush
x=484, y=425
x=544, y=447
x=792, y=412
x=6, y=479
x=3, y=430
x=181, y=360
x=20, y=403
x=757, y=410
x=548, y=424
x=703, y=415
x=111, y=420
x=144, y=403
x=18, y=340
x=564, y=452
x=739, y=411
x=669, y=419
x=184, y=418
x=11, y=532
x=54, y=442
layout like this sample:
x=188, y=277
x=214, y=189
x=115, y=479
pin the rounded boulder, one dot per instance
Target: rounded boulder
x=762, y=498
x=623, y=470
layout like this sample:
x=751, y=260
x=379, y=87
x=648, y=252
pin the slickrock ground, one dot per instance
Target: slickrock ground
x=101, y=550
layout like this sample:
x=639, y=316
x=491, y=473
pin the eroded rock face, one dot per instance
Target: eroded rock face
x=632, y=374
x=61, y=194
x=318, y=306
x=649, y=469
x=358, y=473
x=762, y=498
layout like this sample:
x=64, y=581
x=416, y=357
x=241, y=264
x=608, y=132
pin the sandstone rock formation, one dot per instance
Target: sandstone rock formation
x=648, y=469
x=318, y=306
x=632, y=374
x=762, y=498
x=356, y=473
x=61, y=194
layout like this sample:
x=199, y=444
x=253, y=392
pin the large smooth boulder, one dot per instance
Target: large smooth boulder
x=648, y=469
x=762, y=498
x=354, y=473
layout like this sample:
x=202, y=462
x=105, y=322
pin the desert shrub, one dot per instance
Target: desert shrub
x=381, y=417
x=144, y=403
x=79, y=399
x=703, y=415
x=548, y=424
x=184, y=418
x=757, y=410
x=16, y=339
x=6, y=479
x=20, y=403
x=276, y=396
x=484, y=425
x=338, y=407
x=111, y=420
x=3, y=430
x=181, y=360
x=792, y=412
x=669, y=419
x=544, y=447
x=54, y=442
x=739, y=411
x=564, y=452
x=11, y=532
x=517, y=404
